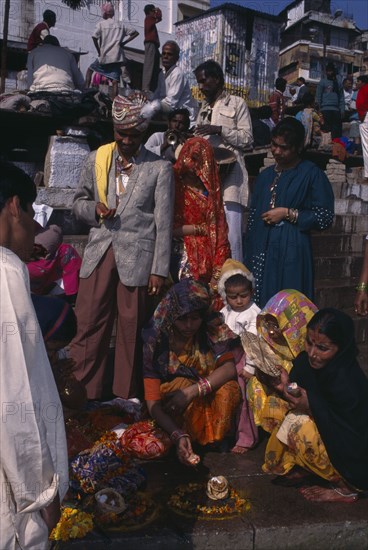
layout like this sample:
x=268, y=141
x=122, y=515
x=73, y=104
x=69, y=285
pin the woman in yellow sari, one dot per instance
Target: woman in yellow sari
x=189, y=369
x=324, y=428
x=282, y=323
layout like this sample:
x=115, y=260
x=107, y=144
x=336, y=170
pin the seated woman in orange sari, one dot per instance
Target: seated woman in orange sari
x=200, y=244
x=189, y=359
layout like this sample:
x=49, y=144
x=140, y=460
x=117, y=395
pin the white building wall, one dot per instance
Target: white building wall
x=74, y=27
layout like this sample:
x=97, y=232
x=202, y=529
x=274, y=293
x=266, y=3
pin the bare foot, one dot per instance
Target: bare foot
x=325, y=494
x=297, y=477
x=238, y=450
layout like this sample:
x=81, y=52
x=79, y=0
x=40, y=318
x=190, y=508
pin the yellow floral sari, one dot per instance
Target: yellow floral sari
x=292, y=311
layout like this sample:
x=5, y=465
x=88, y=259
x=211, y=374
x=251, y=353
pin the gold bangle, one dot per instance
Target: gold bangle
x=200, y=230
x=362, y=287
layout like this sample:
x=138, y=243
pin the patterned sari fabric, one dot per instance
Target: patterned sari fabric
x=207, y=419
x=292, y=312
x=304, y=446
x=199, y=256
x=333, y=441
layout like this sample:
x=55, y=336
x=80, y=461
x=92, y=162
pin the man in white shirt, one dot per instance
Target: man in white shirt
x=33, y=454
x=158, y=143
x=52, y=68
x=110, y=37
x=175, y=92
x=225, y=121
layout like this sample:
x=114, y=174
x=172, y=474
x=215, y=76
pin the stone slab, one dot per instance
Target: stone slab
x=348, y=223
x=337, y=245
x=335, y=293
x=64, y=161
x=55, y=197
x=338, y=267
x=351, y=206
x=279, y=518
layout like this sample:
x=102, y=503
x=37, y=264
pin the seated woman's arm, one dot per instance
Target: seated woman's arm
x=182, y=441
x=179, y=401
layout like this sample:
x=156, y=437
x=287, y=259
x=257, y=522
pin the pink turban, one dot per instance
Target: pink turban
x=107, y=9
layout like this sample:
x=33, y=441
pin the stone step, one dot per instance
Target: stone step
x=337, y=244
x=337, y=267
x=338, y=293
x=351, y=206
x=78, y=241
x=345, y=224
x=346, y=190
x=70, y=226
x=55, y=197
x=361, y=328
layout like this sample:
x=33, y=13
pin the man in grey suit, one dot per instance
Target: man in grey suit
x=126, y=195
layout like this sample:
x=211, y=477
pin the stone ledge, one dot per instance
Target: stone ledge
x=55, y=197
x=278, y=519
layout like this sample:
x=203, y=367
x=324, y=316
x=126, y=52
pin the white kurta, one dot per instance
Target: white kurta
x=33, y=453
x=154, y=142
x=174, y=92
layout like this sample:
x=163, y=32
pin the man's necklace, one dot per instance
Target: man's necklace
x=122, y=166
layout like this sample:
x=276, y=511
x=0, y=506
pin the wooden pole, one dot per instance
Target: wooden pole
x=4, y=49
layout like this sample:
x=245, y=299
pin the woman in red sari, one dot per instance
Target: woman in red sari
x=200, y=244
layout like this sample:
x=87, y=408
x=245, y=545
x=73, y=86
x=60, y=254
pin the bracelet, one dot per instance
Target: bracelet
x=176, y=435
x=199, y=230
x=292, y=215
x=204, y=387
x=362, y=287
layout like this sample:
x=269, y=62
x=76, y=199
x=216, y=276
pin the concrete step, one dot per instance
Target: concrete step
x=337, y=244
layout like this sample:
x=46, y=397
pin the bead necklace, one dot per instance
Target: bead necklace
x=273, y=188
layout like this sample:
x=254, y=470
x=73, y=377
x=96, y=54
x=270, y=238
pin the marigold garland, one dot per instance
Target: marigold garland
x=73, y=524
x=111, y=441
x=184, y=502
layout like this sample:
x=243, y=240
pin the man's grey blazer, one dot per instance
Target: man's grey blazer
x=141, y=231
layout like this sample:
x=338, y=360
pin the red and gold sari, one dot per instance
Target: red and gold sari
x=202, y=256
